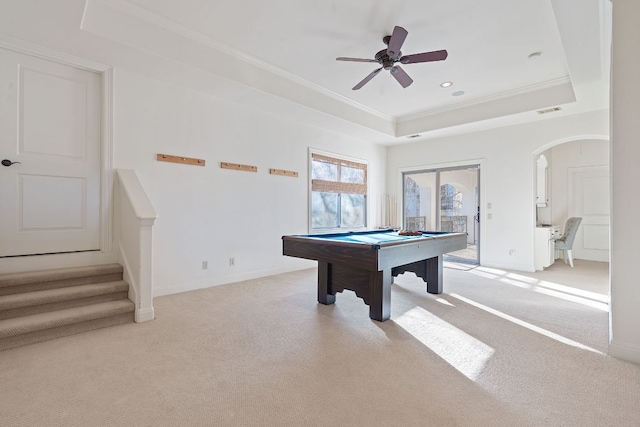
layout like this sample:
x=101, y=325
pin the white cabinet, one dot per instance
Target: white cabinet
x=544, y=252
x=542, y=178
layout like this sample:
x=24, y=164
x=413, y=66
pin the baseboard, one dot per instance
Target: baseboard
x=144, y=314
x=624, y=352
x=508, y=266
x=211, y=282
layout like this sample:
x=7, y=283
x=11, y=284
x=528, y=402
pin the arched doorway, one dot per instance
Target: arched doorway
x=574, y=182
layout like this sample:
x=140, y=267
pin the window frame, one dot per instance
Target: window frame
x=360, y=189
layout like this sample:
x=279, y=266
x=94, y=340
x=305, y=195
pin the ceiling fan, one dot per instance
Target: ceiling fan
x=389, y=56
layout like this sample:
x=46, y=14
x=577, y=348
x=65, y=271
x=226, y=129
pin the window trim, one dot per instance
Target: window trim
x=315, y=184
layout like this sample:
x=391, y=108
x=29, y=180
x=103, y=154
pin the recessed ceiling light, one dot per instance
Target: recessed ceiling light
x=535, y=55
x=458, y=93
x=446, y=84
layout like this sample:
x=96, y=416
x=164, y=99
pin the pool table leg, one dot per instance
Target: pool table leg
x=324, y=295
x=380, y=304
x=434, y=275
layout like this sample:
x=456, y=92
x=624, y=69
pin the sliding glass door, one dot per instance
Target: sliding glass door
x=445, y=199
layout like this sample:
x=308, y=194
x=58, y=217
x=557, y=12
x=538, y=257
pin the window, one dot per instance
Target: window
x=338, y=192
x=450, y=200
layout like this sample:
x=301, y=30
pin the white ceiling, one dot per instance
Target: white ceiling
x=280, y=55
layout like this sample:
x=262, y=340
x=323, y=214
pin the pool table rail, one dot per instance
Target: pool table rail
x=360, y=256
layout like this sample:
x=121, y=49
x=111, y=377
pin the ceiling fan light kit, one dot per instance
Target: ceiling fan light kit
x=388, y=58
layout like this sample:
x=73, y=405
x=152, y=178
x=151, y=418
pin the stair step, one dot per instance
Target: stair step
x=29, y=303
x=44, y=326
x=43, y=305
x=57, y=278
x=52, y=319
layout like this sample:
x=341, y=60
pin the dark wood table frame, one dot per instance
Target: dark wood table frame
x=368, y=269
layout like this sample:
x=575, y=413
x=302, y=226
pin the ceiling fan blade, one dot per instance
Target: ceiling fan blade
x=366, y=79
x=342, y=58
x=436, y=55
x=402, y=77
x=397, y=39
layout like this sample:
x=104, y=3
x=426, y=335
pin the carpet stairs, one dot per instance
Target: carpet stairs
x=42, y=305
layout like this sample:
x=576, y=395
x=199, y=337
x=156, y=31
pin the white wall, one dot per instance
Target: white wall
x=507, y=158
x=213, y=214
x=625, y=200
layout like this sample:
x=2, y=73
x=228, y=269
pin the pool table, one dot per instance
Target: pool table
x=366, y=262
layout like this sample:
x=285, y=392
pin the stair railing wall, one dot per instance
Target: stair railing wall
x=134, y=217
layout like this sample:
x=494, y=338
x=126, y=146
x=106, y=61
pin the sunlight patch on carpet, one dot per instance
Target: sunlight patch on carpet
x=521, y=278
x=444, y=302
x=489, y=273
x=567, y=293
x=458, y=266
x=527, y=325
x=462, y=351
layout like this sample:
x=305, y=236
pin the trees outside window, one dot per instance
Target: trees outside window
x=338, y=192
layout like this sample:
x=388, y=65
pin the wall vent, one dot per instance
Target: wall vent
x=549, y=110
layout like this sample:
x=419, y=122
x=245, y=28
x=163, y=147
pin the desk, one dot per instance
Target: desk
x=366, y=262
x=544, y=253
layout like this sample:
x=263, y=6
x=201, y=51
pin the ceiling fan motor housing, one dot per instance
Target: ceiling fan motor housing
x=383, y=58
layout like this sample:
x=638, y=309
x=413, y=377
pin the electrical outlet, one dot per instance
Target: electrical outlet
x=232, y=262
x=205, y=265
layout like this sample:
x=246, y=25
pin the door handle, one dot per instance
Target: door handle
x=7, y=162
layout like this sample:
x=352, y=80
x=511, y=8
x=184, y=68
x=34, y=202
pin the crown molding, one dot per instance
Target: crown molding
x=22, y=46
x=167, y=24
x=489, y=98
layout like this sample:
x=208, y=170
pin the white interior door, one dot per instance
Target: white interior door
x=589, y=199
x=50, y=124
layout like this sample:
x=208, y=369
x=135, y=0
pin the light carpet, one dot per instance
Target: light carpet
x=497, y=348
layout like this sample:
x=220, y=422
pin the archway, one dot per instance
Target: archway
x=575, y=182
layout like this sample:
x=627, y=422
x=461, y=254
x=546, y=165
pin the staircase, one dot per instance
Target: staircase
x=43, y=305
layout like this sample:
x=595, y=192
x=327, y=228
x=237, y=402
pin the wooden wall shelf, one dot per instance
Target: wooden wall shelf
x=283, y=172
x=238, y=167
x=180, y=159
